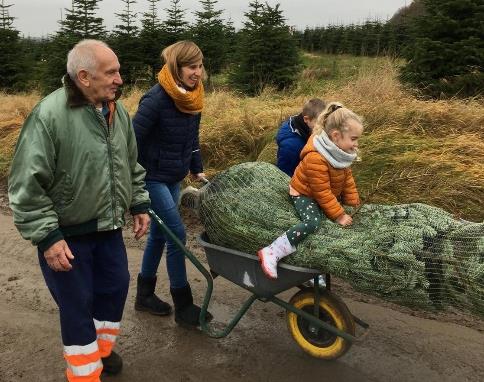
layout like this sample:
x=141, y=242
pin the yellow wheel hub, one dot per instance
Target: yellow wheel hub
x=316, y=341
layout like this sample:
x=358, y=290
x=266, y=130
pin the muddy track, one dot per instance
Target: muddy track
x=403, y=345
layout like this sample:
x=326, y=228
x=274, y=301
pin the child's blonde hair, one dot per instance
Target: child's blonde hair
x=334, y=117
x=179, y=54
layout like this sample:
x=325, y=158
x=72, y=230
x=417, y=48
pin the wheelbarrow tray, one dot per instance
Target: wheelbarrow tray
x=244, y=270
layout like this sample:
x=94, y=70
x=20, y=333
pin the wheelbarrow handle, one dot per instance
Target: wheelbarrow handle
x=208, y=294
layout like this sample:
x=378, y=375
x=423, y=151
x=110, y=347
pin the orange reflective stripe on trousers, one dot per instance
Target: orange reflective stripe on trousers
x=107, y=333
x=83, y=363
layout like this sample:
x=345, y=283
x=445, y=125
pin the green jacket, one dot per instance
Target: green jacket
x=71, y=173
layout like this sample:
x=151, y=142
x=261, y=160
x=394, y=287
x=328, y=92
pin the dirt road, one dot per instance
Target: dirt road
x=402, y=346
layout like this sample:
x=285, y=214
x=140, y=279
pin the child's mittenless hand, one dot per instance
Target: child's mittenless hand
x=344, y=220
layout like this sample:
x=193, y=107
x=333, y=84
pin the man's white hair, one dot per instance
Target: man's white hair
x=82, y=57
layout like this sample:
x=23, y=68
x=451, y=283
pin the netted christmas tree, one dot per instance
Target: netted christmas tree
x=411, y=254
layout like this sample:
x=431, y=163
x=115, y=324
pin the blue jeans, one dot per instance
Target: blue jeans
x=164, y=201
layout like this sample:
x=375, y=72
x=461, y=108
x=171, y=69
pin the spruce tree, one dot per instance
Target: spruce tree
x=175, y=26
x=35, y=52
x=6, y=21
x=446, y=55
x=267, y=53
x=12, y=64
x=150, y=38
x=80, y=23
x=231, y=40
x=125, y=43
x=209, y=33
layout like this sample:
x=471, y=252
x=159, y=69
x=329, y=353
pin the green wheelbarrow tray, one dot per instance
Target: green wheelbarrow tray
x=244, y=270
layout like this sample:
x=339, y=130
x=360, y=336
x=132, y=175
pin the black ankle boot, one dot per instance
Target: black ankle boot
x=186, y=313
x=146, y=300
x=112, y=364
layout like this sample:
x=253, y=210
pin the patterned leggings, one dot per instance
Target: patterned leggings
x=310, y=215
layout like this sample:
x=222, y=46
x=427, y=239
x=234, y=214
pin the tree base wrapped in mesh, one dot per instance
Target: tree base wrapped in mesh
x=411, y=254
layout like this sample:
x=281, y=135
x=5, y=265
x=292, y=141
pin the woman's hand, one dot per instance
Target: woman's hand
x=344, y=220
x=199, y=176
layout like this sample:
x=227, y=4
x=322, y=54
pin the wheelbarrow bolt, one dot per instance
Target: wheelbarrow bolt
x=313, y=330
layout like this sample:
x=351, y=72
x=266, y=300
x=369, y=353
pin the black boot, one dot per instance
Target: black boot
x=186, y=313
x=112, y=364
x=146, y=300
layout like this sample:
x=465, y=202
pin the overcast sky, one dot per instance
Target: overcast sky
x=40, y=17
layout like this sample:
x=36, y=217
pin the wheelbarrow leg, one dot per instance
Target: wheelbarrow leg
x=317, y=295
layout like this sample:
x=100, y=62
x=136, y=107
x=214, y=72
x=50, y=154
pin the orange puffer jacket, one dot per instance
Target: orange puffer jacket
x=316, y=178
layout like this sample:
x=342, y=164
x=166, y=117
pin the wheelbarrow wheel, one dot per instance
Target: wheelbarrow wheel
x=318, y=342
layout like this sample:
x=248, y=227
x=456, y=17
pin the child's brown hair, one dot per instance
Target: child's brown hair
x=313, y=108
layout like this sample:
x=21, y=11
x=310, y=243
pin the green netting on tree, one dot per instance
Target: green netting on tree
x=410, y=254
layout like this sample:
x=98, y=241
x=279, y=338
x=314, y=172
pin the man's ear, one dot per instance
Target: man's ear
x=84, y=78
x=306, y=119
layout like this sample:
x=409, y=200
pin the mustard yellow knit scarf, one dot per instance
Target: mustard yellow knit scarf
x=190, y=101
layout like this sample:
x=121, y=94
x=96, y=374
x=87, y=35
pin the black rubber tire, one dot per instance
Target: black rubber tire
x=320, y=343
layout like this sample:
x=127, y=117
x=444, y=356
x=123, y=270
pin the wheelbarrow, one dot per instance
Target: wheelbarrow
x=318, y=320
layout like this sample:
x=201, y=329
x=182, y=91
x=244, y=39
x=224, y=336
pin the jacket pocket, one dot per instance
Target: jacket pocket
x=63, y=193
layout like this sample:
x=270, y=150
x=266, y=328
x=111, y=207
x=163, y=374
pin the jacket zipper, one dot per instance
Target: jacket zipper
x=111, y=168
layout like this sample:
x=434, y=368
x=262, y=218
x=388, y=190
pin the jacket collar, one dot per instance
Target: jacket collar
x=300, y=127
x=75, y=97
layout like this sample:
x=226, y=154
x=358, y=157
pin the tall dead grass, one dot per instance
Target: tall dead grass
x=413, y=150
x=13, y=111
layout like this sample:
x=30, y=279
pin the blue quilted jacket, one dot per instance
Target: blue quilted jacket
x=289, y=146
x=168, y=139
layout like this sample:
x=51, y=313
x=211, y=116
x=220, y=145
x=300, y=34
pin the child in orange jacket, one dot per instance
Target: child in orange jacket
x=322, y=179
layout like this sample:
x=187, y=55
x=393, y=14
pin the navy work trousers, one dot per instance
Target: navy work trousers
x=92, y=294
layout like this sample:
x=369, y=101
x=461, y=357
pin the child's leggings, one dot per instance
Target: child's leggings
x=310, y=215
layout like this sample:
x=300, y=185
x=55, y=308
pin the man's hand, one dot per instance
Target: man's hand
x=344, y=220
x=58, y=256
x=141, y=223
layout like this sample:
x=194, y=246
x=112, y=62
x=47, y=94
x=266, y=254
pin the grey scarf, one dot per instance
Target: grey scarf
x=333, y=154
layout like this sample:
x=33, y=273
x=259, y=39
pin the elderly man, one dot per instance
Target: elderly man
x=73, y=177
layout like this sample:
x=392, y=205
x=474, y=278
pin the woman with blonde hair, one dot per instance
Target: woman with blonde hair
x=167, y=132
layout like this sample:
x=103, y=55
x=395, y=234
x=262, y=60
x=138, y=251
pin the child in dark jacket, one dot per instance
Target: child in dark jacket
x=294, y=133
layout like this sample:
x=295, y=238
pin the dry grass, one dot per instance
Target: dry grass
x=13, y=111
x=413, y=150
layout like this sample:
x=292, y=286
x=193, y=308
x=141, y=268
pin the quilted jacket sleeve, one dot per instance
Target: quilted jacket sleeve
x=320, y=185
x=196, y=165
x=289, y=146
x=350, y=193
x=146, y=118
x=287, y=157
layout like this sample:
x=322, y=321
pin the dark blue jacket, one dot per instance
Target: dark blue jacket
x=289, y=146
x=168, y=139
